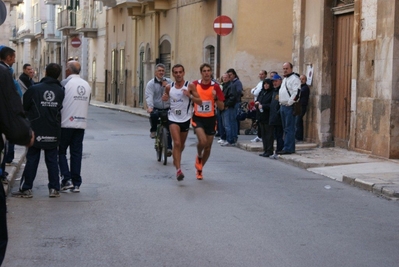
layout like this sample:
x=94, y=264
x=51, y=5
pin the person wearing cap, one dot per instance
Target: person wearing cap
x=288, y=95
x=274, y=117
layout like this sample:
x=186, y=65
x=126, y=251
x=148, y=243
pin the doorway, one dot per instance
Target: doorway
x=342, y=78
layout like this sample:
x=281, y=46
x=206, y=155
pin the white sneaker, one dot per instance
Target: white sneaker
x=224, y=143
x=228, y=144
x=256, y=139
x=221, y=141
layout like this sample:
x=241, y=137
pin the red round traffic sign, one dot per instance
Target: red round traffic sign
x=75, y=42
x=223, y=25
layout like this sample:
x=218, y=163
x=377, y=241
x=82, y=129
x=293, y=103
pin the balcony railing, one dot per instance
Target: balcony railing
x=86, y=20
x=37, y=28
x=66, y=19
x=50, y=33
x=26, y=31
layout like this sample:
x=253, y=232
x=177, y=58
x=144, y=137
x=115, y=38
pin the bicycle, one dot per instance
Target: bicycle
x=161, y=138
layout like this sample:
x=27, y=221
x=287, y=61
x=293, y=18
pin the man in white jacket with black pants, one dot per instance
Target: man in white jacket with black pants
x=73, y=125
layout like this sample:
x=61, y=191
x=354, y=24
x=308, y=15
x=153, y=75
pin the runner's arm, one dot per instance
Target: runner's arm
x=194, y=94
x=165, y=95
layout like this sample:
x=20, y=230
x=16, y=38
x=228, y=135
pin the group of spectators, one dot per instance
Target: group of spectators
x=49, y=115
x=274, y=99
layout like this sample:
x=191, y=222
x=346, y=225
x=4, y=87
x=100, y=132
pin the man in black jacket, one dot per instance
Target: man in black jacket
x=25, y=79
x=14, y=126
x=229, y=113
x=43, y=104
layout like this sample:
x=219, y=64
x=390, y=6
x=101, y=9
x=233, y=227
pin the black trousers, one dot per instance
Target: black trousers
x=267, y=137
x=3, y=224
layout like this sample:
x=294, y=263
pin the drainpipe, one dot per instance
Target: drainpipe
x=219, y=13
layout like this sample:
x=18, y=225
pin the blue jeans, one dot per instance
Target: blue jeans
x=229, y=117
x=32, y=162
x=288, y=120
x=221, y=130
x=72, y=138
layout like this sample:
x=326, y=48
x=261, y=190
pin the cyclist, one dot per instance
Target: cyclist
x=204, y=117
x=180, y=94
x=153, y=96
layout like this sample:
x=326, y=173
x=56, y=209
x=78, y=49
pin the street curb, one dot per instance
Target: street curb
x=384, y=189
x=137, y=111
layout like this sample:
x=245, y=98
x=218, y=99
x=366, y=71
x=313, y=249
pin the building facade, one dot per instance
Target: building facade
x=352, y=47
x=346, y=47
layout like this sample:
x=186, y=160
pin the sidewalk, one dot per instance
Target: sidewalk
x=380, y=176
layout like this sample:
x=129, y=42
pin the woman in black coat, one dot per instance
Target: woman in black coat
x=262, y=104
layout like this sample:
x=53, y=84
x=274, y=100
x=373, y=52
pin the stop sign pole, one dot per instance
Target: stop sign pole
x=223, y=25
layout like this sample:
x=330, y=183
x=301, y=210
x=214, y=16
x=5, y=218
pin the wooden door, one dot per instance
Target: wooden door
x=342, y=78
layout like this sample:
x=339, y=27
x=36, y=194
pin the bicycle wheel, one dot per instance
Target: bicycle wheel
x=158, y=145
x=164, y=142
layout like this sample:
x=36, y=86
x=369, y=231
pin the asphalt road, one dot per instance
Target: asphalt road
x=248, y=211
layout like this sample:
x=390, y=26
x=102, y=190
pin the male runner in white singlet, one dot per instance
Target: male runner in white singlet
x=181, y=94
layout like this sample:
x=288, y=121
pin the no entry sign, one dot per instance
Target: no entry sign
x=75, y=42
x=223, y=25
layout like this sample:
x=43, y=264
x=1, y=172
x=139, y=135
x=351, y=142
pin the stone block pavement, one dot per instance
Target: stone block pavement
x=377, y=175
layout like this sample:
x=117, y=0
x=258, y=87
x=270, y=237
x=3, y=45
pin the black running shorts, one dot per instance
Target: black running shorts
x=207, y=123
x=184, y=126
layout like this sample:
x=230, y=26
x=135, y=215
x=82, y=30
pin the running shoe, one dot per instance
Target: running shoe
x=53, y=193
x=179, y=175
x=67, y=185
x=256, y=139
x=199, y=175
x=198, y=163
x=24, y=194
x=228, y=144
x=221, y=141
x=76, y=189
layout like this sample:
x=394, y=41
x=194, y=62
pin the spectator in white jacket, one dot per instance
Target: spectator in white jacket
x=288, y=95
x=73, y=125
x=255, y=91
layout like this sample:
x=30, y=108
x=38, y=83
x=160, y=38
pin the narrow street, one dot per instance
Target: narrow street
x=248, y=211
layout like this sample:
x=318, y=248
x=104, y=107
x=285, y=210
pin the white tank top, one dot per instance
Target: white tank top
x=180, y=105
